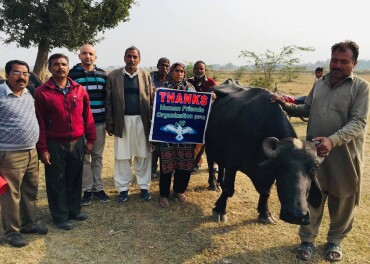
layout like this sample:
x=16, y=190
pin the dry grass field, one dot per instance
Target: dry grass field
x=143, y=232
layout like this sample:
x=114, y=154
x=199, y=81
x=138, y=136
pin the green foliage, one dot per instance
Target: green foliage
x=268, y=63
x=290, y=73
x=189, y=69
x=59, y=23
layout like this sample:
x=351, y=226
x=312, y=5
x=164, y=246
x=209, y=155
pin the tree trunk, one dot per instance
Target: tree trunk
x=41, y=59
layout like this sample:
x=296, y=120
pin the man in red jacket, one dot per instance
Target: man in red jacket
x=64, y=116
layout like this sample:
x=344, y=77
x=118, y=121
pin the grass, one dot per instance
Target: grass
x=142, y=232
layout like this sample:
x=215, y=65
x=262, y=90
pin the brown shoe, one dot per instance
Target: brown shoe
x=163, y=202
x=181, y=197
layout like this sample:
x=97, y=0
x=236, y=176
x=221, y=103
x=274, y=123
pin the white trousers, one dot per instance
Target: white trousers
x=123, y=176
x=132, y=147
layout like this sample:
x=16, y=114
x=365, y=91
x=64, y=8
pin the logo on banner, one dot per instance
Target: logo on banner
x=179, y=130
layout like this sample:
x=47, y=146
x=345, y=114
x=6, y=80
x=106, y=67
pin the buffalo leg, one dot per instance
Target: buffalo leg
x=221, y=176
x=213, y=186
x=263, y=209
x=219, y=212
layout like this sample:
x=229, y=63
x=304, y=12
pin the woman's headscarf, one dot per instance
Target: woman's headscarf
x=178, y=64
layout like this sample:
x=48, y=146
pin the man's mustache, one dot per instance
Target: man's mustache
x=21, y=81
x=61, y=71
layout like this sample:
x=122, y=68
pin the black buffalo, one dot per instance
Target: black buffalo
x=248, y=133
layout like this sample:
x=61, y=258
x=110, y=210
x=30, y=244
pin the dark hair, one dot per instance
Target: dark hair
x=200, y=61
x=348, y=44
x=319, y=69
x=162, y=60
x=57, y=56
x=132, y=48
x=9, y=65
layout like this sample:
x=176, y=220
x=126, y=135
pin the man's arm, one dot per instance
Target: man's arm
x=90, y=130
x=41, y=110
x=302, y=110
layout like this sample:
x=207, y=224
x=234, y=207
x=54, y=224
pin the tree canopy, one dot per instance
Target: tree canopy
x=48, y=24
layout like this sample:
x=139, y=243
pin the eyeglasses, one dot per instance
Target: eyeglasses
x=18, y=73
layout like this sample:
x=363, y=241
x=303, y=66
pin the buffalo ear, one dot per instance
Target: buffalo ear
x=315, y=194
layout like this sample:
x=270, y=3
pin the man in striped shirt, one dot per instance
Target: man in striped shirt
x=93, y=79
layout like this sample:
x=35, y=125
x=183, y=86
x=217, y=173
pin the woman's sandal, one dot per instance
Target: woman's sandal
x=305, y=250
x=333, y=252
x=163, y=202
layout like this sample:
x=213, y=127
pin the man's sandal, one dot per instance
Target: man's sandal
x=333, y=252
x=305, y=250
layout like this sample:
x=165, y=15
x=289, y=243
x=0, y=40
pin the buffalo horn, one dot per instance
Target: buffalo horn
x=269, y=146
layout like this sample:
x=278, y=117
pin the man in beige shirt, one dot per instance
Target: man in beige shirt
x=338, y=109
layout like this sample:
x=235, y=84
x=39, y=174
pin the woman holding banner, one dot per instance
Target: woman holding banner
x=178, y=158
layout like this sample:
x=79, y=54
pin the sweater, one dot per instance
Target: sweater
x=19, y=129
x=94, y=83
x=64, y=117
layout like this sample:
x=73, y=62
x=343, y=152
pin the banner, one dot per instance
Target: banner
x=179, y=117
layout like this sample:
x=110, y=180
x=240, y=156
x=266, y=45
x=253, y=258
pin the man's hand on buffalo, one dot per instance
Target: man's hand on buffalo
x=324, y=146
x=278, y=98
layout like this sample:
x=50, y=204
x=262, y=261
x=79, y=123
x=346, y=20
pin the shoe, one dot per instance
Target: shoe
x=305, y=250
x=181, y=197
x=145, y=195
x=35, y=229
x=122, y=197
x=16, y=240
x=333, y=252
x=79, y=217
x=163, y=202
x=101, y=196
x=64, y=225
x=196, y=168
x=86, y=198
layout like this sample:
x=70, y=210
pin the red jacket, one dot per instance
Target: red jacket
x=205, y=86
x=63, y=117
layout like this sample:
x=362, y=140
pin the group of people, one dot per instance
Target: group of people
x=70, y=114
x=64, y=124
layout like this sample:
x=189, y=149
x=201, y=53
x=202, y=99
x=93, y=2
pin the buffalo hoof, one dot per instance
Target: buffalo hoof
x=270, y=220
x=224, y=218
x=217, y=217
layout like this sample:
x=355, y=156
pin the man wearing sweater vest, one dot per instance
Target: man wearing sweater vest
x=19, y=132
x=64, y=115
x=93, y=79
x=127, y=117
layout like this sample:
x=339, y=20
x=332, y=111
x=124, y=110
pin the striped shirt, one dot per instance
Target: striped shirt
x=94, y=83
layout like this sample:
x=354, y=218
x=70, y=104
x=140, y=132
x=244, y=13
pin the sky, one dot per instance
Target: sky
x=216, y=31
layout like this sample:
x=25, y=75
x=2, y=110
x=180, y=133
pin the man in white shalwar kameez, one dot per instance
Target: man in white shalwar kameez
x=127, y=111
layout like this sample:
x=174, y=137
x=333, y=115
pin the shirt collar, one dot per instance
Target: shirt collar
x=130, y=75
x=326, y=77
x=9, y=91
x=65, y=90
